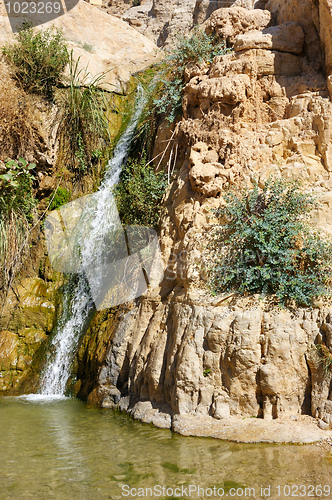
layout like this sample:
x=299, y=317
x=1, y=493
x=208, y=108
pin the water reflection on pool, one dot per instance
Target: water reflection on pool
x=60, y=449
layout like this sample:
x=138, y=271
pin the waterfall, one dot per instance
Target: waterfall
x=95, y=233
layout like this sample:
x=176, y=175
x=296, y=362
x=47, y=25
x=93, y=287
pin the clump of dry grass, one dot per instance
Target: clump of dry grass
x=19, y=138
x=18, y=133
x=325, y=356
x=17, y=204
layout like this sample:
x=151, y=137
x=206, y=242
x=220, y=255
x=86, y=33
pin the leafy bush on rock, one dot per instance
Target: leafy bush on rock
x=195, y=48
x=265, y=244
x=139, y=193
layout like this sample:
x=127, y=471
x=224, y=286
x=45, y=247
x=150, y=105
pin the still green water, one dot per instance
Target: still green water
x=64, y=450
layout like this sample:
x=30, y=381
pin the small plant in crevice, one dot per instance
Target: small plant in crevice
x=17, y=205
x=139, y=193
x=81, y=118
x=196, y=47
x=59, y=198
x=325, y=358
x=38, y=58
x=264, y=244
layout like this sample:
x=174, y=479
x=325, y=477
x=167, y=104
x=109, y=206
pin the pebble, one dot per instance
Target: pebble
x=323, y=425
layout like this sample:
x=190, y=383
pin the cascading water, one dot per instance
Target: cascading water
x=100, y=219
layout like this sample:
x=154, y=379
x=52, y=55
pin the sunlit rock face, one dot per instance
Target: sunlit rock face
x=163, y=20
x=114, y=48
x=263, y=109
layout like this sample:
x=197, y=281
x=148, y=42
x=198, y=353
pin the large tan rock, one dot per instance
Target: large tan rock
x=307, y=14
x=113, y=47
x=206, y=173
x=272, y=62
x=287, y=37
x=228, y=23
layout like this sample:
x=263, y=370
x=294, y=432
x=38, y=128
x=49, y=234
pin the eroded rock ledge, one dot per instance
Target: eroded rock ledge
x=165, y=361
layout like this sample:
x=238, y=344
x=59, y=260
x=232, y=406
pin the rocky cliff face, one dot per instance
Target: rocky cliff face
x=263, y=109
x=162, y=20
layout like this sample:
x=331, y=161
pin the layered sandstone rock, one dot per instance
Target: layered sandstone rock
x=185, y=357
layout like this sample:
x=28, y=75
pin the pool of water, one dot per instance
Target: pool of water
x=61, y=449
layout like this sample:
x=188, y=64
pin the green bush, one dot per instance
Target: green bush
x=265, y=245
x=82, y=124
x=139, y=194
x=195, y=48
x=17, y=205
x=59, y=198
x=38, y=58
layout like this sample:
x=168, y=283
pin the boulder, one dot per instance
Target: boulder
x=227, y=24
x=287, y=37
x=311, y=16
x=272, y=62
x=8, y=350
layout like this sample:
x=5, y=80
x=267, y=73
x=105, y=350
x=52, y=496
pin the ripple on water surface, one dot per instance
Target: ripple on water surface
x=58, y=448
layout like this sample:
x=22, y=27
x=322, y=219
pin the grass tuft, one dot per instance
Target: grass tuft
x=81, y=118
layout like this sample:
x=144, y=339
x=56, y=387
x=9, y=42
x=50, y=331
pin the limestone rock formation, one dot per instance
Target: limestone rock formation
x=287, y=37
x=162, y=20
x=228, y=23
x=180, y=356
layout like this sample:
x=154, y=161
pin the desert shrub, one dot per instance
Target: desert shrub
x=139, y=193
x=17, y=205
x=38, y=58
x=59, y=198
x=193, y=48
x=265, y=244
x=81, y=118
